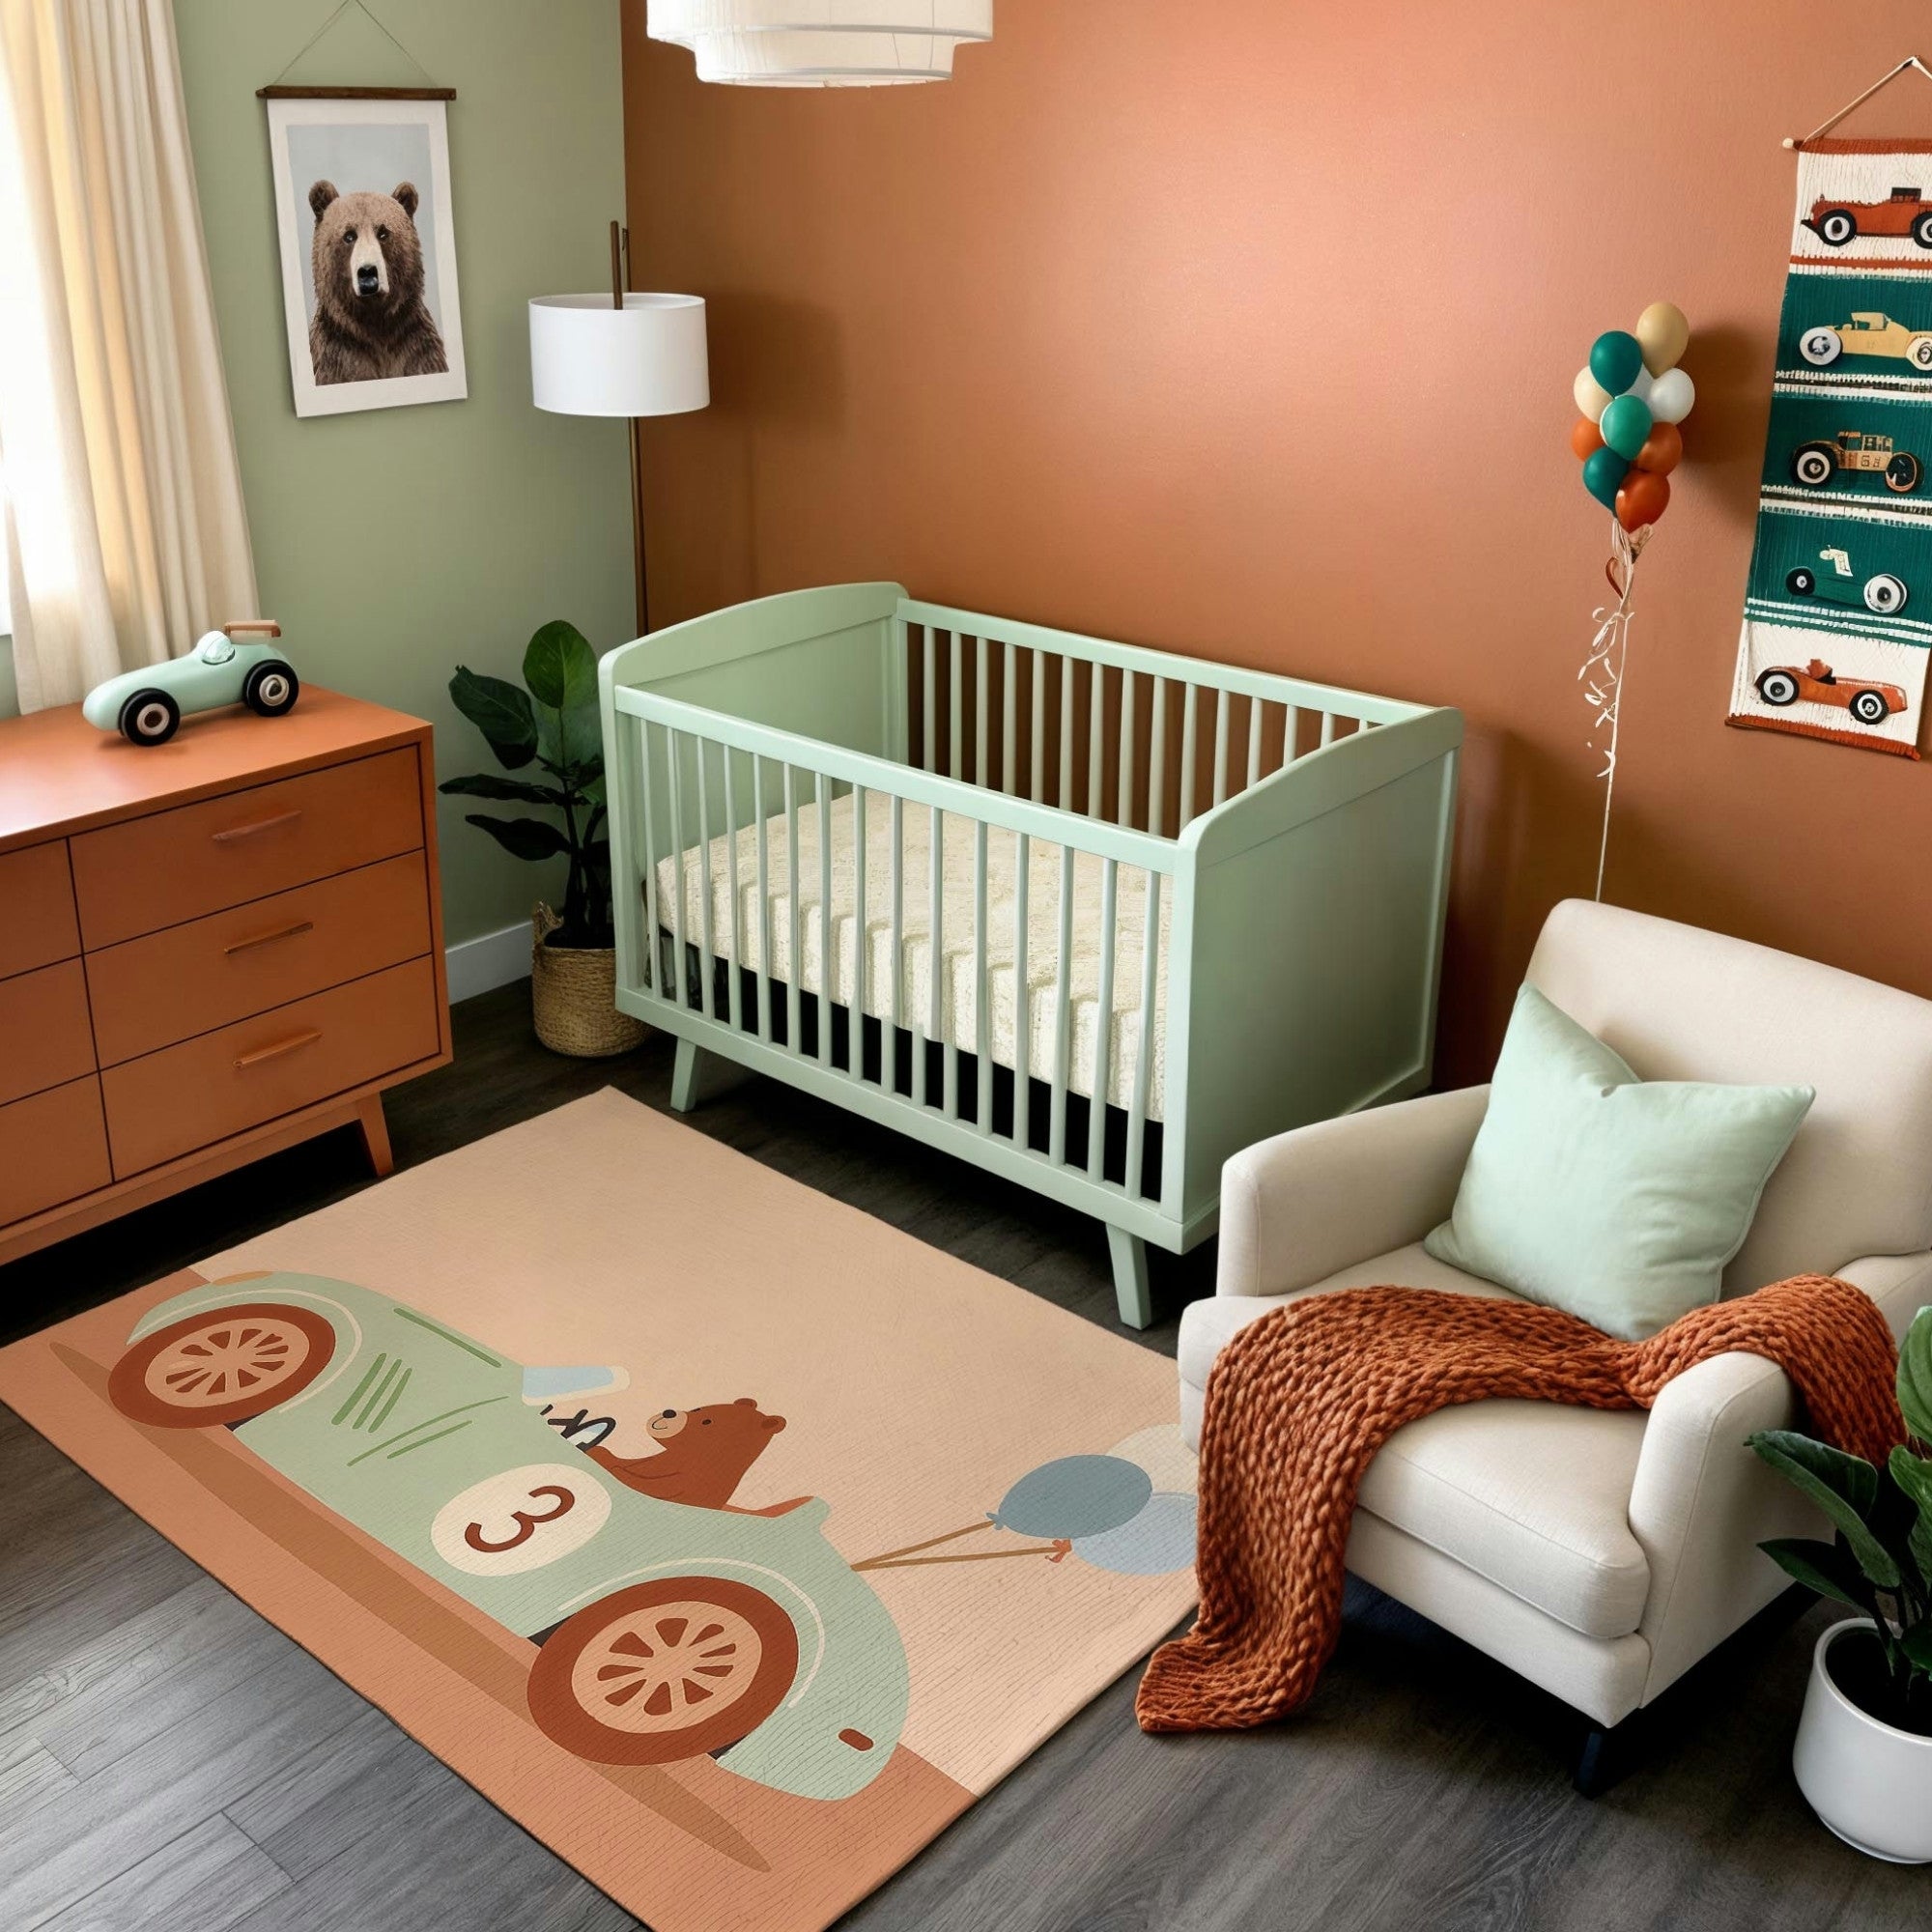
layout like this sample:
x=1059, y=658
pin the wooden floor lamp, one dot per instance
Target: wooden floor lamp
x=621, y=355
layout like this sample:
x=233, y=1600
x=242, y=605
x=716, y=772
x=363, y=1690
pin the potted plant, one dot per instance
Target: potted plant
x=555, y=725
x=1863, y=1755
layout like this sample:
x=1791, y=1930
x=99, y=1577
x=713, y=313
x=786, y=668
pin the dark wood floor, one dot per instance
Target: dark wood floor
x=169, y=1760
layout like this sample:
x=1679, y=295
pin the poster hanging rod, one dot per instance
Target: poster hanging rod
x=1885, y=80
x=356, y=93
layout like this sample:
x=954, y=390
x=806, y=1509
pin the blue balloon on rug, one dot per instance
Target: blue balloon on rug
x=1156, y=1543
x=1075, y=1497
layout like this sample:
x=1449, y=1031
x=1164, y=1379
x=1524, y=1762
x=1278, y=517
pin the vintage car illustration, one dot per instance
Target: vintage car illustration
x=146, y=707
x=1815, y=464
x=1905, y=211
x=1882, y=593
x=666, y=1630
x=1817, y=683
x=1867, y=333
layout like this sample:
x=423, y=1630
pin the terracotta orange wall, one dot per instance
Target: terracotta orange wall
x=1248, y=328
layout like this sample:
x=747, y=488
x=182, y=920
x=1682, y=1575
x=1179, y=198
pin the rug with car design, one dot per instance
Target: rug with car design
x=728, y=1539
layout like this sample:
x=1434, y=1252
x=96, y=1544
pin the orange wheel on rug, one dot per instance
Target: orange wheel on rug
x=670, y=1669
x=222, y=1365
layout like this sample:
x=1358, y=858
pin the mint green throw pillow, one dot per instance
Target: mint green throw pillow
x=1616, y=1198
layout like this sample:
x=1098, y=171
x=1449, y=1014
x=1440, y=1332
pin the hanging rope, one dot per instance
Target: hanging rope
x=322, y=32
x=1824, y=127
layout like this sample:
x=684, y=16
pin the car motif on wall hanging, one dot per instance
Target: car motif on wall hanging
x=667, y=1631
x=1905, y=211
x=1815, y=464
x=1817, y=683
x=1882, y=592
x=1867, y=333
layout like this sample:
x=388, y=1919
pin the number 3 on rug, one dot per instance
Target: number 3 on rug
x=520, y=1519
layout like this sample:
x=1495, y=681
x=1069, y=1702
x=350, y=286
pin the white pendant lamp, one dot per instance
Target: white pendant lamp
x=821, y=42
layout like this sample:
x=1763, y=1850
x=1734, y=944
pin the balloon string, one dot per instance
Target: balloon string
x=880, y=1561
x=1612, y=642
x=1052, y=1552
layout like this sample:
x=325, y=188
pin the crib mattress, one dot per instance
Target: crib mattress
x=958, y=1015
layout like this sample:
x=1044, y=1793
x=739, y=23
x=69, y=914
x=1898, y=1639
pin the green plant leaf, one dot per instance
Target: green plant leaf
x=1844, y=1487
x=1913, y=1474
x=561, y=667
x=1822, y=1567
x=1916, y=1644
x=570, y=741
x=485, y=784
x=523, y=838
x=500, y=712
x=1915, y=1377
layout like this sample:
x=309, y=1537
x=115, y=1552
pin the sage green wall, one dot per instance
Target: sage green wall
x=393, y=543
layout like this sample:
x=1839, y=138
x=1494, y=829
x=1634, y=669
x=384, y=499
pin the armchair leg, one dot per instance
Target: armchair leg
x=1603, y=1758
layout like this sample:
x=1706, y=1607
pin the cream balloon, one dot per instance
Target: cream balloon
x=1671, y=396
x=1663, y=334
x=1592, y=398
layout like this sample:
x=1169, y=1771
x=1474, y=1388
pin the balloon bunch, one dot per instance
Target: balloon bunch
x=1633, y=396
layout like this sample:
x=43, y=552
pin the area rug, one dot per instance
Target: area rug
x=729, y=1540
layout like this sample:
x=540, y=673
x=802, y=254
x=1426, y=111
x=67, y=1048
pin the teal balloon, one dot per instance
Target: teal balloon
x=1626, y=424
x=1156, y=1543
x=1604, y=473
x=1075, y=1497
x=1615, y=357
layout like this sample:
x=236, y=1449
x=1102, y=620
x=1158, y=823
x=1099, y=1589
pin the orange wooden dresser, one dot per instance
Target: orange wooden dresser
x=209, y=949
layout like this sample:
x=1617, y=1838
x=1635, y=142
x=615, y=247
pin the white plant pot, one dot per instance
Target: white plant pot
x=1870, y=1783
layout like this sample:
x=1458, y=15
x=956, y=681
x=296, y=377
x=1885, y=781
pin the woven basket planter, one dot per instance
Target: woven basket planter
x=574, y=997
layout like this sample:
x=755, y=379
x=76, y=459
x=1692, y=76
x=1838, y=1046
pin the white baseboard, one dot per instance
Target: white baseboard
x=495, y=959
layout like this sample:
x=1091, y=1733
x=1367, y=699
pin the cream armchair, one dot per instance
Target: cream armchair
x=1602, y=1554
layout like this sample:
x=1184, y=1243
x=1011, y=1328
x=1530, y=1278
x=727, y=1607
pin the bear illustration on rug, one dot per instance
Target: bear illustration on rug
x=705, y=1455
x=371, y=322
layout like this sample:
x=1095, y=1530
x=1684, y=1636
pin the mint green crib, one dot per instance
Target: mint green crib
x=1091, y=916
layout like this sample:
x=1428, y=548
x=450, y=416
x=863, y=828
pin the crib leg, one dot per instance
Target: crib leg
x=1128, y=1254
x=687, y=1077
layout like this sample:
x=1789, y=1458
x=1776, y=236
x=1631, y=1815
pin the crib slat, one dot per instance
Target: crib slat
x=983, y=730
x=890, y=1056
x=1037, y=742
x=982, y=1045
x=794, y=1038
x=1096, y=741
x=948, y=1054
x=827, y=991
x=653, y=911
x=1255, y=708
x=764, y=982
x=1223, y=703
x=861, y=949
x=1144, y=1052
x=928, y=702
x=1009, y=704
x=1190, y=705
x=1063, y=799
x=707, y=971
x=1063, y=1014
x=1327, y=727
x=1123, y=801
x=1156, y=811
x=955, y=680
x=1103, y=1024
x=734, y=966
x=1022, y=1009
x=674, y=761
x=1291, y=729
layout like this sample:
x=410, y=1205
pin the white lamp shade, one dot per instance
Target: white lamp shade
x=647, y=358
x=821, y=42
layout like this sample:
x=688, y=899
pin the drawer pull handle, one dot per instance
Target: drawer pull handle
x=236, y=832
x=280, y=1047
x=294, y=932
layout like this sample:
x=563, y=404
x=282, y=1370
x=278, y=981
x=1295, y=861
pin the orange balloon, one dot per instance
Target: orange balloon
x=1644, y=499
x=1585, y=438
x=1662, y=449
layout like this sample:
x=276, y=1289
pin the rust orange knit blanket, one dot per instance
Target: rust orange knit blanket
x=1300, y=1401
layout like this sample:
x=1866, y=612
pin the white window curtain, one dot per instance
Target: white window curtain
x=125, y=530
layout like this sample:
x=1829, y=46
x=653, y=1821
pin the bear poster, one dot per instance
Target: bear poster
x=368, y=247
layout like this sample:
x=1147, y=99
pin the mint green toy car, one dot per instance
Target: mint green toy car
x=146, y=707
x=667, y=1631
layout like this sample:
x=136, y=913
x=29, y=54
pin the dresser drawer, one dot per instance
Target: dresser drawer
x=53, y=1149
x=152, y=872
x=170, y=985
x=37, y=922
x=45, y=1037
x=191, y=1095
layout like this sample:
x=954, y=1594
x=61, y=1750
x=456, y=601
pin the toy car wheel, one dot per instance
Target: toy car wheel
x=673, y=1668
x=1813, y=463
x=1777, y=686
x=1922, y=231
x=1801, y=583
x=1869, y=707
x=1885, y=593
x=150, y=717
x=222, y=1365
x=272, y=689
x=1819, y=346
x=1837, y=226
x=1919, y=352
x=1902, y=473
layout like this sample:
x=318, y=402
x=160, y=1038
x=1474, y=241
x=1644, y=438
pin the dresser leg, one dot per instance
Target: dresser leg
x=375, y=1134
